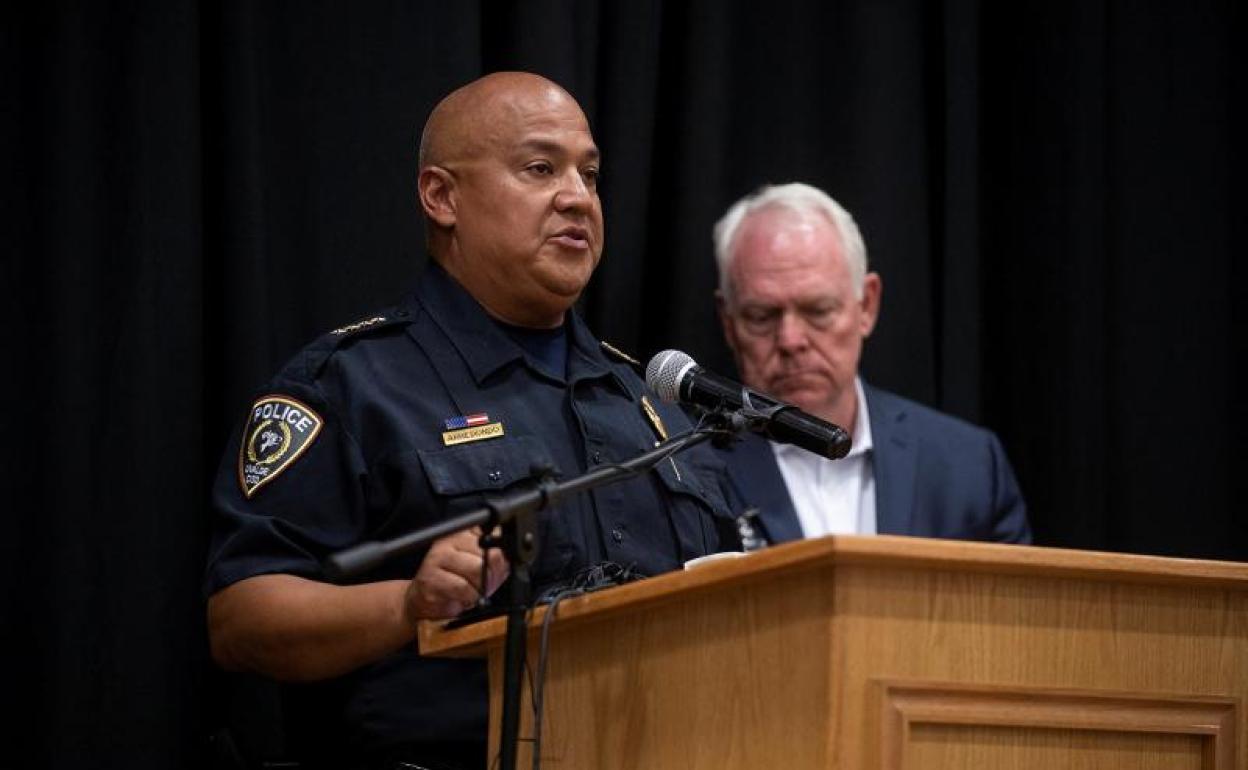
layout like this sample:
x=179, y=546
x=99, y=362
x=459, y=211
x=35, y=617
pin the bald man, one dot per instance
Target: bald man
x=396, y=421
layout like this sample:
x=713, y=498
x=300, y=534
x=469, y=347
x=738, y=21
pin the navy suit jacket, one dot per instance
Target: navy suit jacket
x=935, y=476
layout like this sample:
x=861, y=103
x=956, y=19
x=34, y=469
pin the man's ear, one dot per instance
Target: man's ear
x=436, y=188
x=872, y=290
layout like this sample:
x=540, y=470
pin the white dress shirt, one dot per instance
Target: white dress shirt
x=833, y=496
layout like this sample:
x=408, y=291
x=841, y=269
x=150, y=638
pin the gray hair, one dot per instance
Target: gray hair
x=801, y=199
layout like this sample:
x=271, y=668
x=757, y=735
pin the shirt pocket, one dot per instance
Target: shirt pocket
x=700, y=514
x=463, y=477
x=478, y=469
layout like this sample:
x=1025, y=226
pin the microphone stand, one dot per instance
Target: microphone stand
x=516, y=513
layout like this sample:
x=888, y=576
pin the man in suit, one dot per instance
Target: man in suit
x=796, y=302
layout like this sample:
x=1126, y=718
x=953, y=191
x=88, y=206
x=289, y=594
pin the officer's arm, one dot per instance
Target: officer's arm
x=295, y=629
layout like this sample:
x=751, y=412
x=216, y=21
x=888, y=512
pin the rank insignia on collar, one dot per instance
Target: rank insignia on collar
x=470, y=427
x=660, y=429
x=279, y=430
x=358, y=325
x=620, y=354
x=656, y=421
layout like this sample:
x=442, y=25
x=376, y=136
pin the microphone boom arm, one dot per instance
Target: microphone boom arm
x=517, y=514
x=371, y=554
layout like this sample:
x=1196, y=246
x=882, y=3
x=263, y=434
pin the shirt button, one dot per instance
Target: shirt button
x=495, y=475
x=617, y=535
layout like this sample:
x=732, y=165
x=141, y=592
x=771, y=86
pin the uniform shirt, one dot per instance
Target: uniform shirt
x=833, y=496
x=376, y=398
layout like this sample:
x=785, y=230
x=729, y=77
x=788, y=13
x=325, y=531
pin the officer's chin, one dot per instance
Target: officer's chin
x=563, y=285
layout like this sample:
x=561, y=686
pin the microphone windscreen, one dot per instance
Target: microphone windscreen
x=665, y=371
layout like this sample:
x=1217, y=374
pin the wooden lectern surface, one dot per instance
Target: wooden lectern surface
x=890, y=652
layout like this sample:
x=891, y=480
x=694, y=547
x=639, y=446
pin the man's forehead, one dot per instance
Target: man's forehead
x=779, y=254
x=779, y=239
x=558, y=144
x=550, y=123
x=782, y=266
x=770, y=291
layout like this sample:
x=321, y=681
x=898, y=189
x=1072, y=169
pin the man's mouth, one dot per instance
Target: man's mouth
x=793, y=379
x=572, y=237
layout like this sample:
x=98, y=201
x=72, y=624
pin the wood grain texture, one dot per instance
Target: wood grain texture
x=880, y=550
x=784, y=659
x=948, y=747
x=917, y=714
x=1022, y=632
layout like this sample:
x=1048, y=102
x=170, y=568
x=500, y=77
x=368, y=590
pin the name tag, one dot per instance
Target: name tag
x=475, y=433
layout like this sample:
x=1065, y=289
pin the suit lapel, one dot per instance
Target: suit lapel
x=757, y=477
x=894, y=463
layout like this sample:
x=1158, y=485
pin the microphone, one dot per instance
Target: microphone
x=676, y=377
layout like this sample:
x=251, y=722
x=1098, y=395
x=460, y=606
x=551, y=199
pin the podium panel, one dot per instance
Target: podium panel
x=891, y=652
x=942, y=748
x=950, y=726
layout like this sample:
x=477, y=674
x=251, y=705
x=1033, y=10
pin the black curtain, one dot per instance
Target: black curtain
x=193, y=190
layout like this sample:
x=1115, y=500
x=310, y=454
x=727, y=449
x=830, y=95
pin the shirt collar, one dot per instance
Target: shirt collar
x=484, y=346
x=863, y=443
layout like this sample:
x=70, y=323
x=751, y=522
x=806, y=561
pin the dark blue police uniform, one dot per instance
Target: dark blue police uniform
x=396, y=422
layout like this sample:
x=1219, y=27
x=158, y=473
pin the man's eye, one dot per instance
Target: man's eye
x=591, y=175
x=541, y=167
x=819, y=314
x=758, y=320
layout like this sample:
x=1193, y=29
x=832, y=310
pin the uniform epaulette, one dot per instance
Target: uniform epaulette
x=620, y=355
x=315, y=356
x=361, y=325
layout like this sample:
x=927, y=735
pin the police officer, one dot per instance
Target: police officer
x=414, y=413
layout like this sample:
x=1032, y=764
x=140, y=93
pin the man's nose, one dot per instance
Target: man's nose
x=790, y=332
x=573, y=191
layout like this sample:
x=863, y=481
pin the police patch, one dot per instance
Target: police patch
x=279, y=430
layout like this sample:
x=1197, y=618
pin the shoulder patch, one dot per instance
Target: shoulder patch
x=279, y=430
x=618, y=354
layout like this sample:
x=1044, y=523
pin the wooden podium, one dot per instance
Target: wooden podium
x=892, y=652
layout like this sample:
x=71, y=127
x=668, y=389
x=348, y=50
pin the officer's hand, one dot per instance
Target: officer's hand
x=449, y=578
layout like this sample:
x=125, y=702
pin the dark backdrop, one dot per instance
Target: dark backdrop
x=191, y=191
